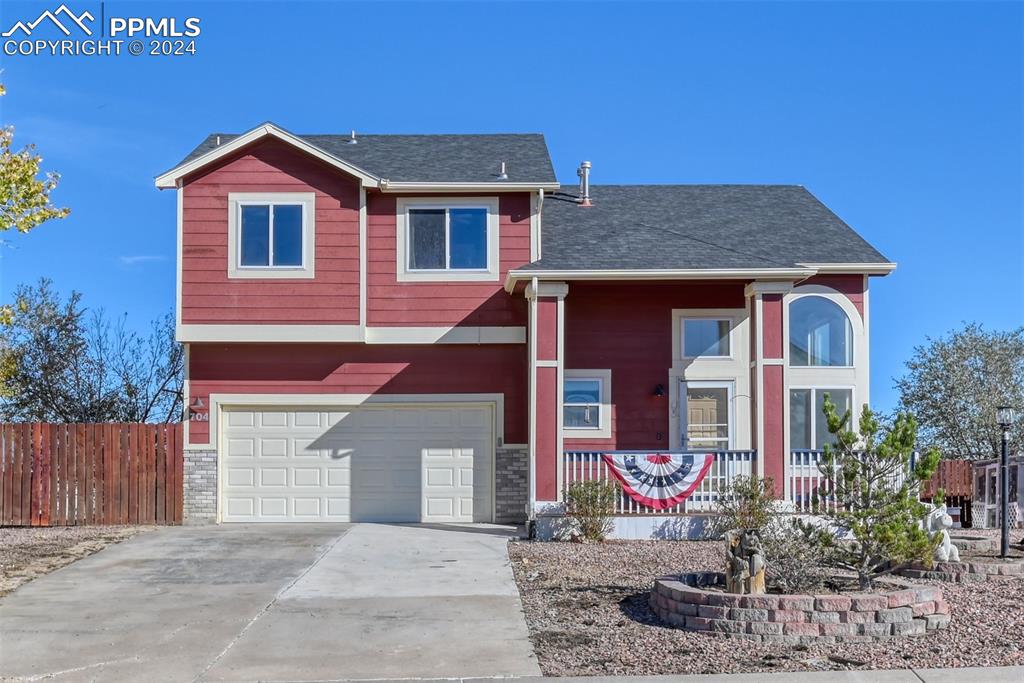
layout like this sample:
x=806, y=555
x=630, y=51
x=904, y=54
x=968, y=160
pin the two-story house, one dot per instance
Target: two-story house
x=429, y=328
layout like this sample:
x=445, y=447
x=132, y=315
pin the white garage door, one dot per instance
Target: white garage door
x=381, y=464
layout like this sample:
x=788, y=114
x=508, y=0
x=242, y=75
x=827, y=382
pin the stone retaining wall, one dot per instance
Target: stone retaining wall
x=964, y=572
x=685, y=601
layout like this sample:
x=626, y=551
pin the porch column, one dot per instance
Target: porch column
x=546, y=349
x=768, y=336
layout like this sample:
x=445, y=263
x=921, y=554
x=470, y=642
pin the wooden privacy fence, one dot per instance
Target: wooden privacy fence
x=75, y=474
x=953, y=477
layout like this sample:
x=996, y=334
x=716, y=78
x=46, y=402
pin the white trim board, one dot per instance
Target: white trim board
x=326, y=334
x=446, y=335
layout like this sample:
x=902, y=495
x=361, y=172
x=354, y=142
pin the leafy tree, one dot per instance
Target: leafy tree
x=876, y=490
x=954, y=384
x=24, y=196
x=58, y=364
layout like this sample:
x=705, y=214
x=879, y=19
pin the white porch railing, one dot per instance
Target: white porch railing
x=804, y=479
x=589, y=466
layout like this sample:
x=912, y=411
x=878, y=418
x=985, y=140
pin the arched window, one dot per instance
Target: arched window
x=820, y=334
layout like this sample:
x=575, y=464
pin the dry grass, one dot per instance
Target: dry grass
x=26, y=553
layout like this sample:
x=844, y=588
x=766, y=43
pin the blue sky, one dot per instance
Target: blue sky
x=905, y=118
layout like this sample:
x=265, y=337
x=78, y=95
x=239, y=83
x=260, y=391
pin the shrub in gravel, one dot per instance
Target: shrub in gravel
x=793, y=552
x=745, y=503
x=795, y=557
x=591, y=505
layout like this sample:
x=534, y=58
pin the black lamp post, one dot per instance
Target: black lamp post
x=1004, y=418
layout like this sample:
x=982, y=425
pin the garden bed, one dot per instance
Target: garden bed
x=587, y=609
x=29, y=552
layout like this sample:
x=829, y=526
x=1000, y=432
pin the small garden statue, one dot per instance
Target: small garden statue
x=744, y=562
x=939, y=521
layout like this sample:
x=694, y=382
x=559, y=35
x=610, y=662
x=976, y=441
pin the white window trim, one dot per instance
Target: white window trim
x=824, y=387
x=737, y=333
x=405, y=274
x=730, y=389
x=604, y=428
x=238, y=199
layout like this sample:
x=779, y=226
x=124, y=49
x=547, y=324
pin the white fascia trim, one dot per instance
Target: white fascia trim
x=446, y=335
x=852, y=268
x=170, y=178
x=496, y=186
x=219, y=402
x=269, y=333
x=658, y=274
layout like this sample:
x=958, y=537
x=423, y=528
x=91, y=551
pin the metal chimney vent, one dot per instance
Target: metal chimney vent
x=502, y=172
x=584, y=173
x=352, y=140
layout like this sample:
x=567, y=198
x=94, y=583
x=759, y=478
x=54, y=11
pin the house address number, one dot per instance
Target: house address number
x=199, y=417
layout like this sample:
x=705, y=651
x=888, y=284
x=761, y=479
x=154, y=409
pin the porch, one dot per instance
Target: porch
x=805, y=491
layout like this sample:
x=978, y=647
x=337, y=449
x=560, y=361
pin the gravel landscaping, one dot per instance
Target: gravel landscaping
x=26, y=553
x=586, y=607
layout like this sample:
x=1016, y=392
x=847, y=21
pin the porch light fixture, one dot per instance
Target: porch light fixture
x=659, y=391
x=1005, y=416
x=197, y=404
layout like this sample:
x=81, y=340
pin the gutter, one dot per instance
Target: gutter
x=515, y=276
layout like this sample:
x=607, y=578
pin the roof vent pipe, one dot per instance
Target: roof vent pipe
x=218, y=141
x=352, y=140
x=502, y=172
x=584, y=173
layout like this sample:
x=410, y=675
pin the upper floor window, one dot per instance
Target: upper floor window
x=271, y=235
x=706, y=338
x=447, y=239
x=585, y=403
x=820, y=334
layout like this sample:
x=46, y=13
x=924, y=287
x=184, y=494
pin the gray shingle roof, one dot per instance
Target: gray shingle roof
x=431, y=158
x=645, y=227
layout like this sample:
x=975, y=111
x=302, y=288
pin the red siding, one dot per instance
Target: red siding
x=546, y=438
x=209, y=296
x=850, y=285
x=393, y=303
x=773, y=333
x=628, y=328
x=771, y=448
x=547, y=329
x=356, y=368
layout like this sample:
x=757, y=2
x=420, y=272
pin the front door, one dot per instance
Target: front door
x=707, y=415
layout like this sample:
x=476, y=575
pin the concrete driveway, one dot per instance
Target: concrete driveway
x=272, y=603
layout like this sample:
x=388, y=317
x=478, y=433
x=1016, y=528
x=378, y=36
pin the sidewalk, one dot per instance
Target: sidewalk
x=1005, y=674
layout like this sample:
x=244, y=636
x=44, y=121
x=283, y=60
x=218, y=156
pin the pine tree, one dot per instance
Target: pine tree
x=875, y=488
